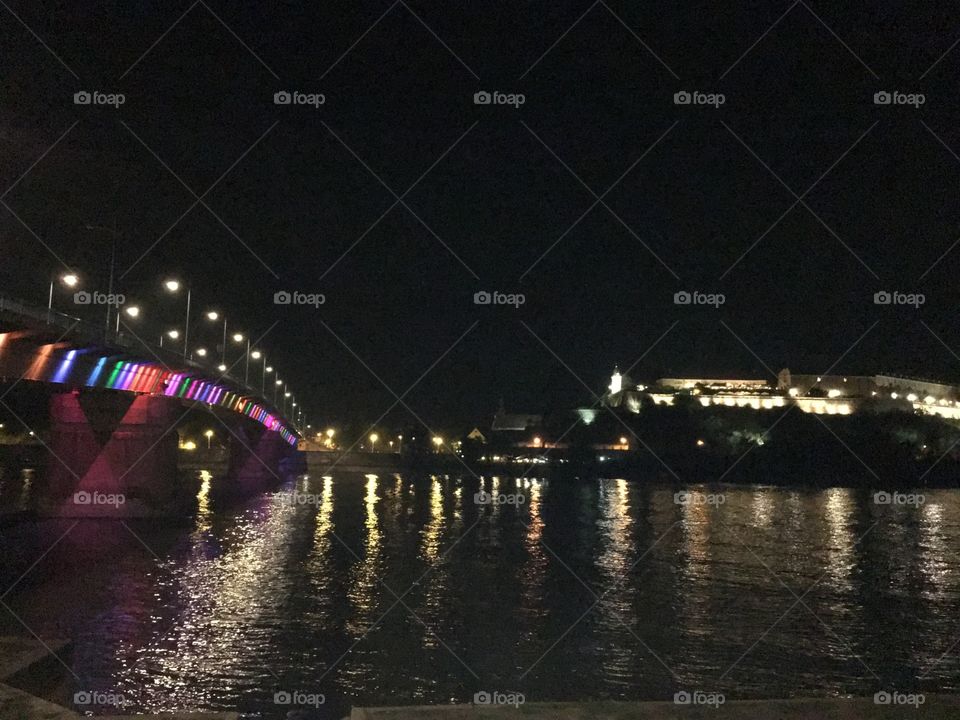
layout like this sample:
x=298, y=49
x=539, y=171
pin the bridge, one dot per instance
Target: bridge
x=114, y=403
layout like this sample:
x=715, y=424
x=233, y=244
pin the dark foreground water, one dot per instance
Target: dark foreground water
x=384, y=589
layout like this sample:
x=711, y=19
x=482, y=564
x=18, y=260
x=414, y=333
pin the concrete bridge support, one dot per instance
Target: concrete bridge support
x=112, y=455
x=259, y=459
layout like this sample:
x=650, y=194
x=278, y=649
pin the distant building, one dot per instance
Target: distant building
x=819, y=394
x=475, y=434
x=503, y=420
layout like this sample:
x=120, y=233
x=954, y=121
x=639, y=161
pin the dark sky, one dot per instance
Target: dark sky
x=798, y=80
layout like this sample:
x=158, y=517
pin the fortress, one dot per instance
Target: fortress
x=819, y=394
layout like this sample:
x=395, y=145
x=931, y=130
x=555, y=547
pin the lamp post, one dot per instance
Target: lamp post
x=213, y=316
x=114, y=234
x=257, y=355
x=69, y=279
x=277, y=384
x=373, y=442
x=239, y=338
x=208, y=434
x=132, y=311
x=263, y=379
x=173, y=286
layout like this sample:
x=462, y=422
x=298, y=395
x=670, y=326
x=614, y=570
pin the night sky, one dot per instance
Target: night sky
x=502, y=198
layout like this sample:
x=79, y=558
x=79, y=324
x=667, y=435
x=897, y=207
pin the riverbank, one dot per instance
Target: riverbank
x=935, y=707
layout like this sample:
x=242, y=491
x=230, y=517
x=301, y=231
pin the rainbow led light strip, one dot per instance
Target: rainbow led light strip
x=151, y=379
x=53, y=363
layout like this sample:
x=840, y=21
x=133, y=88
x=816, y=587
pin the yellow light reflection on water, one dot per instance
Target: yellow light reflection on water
x=838, y=512
x=324, y=526
x=203, y=502
x=364, y=587
x=431, y=534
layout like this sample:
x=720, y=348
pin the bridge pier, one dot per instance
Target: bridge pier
x=112, y=455
x=259, y=458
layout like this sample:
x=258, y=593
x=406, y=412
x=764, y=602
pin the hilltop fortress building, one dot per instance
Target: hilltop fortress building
x=820, y=394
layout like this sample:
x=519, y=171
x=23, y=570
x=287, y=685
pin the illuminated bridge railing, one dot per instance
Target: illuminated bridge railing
x=100, y=363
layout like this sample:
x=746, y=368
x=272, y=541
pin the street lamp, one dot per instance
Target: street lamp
x=173, y=286
x=208, y=434
x=71, y=280
x=222, y=368
x=132, y=311
x=172, y=334
x=438, y=441
x=373, y=441
x=238, y=338
x=263, y=377
x=213, y=316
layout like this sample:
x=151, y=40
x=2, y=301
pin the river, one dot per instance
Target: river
x=385, y=589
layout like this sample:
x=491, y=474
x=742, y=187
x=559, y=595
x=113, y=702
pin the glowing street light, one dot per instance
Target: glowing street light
x=202, y=352
x=238, y=337
x=222, y=368
x=208, y=434
x=213, y=316
x=173, y=286
x=256, y=354
x=71, y=280
x=373, y=441
x=132, y=310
